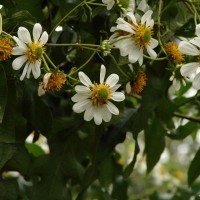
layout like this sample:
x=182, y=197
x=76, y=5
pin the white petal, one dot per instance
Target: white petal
x=41, y=91
x=46, y=79
x=151, y=52
x=188, y=49
x=24, y=35
x=176, y=84
x=97, y=116
x=125, y=28
x=132, y=17
x=134, y=54
x=146, y=16
x=196, y=82
x=37, y=30
x=106, y=114
x=36, y=69
x=79, y=97
x=84, y=79
x=19, y=42
x=189, y=68
x=82, y=89
x=24, y=72
x=153, y=43
x=112, y=80
x=44, y=38
x=197, y=30
x=112, y=108
x=81, y=106
x=196, y=41
x=29, y=71
x=89, y=113
x=140, y=59
x=18, y=62
x=114, y=88
x=18, y=51
x=117, y=96
x=102, y=73
x=128, y=88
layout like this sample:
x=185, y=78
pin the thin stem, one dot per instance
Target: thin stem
x=76, y=44
x=150, y=58
x=97, y=4
x=45, y=65
x=118, y=67
x=67, y=15
x=194, y=119
x=7, y=34
x=50, y=61
x=83, y=65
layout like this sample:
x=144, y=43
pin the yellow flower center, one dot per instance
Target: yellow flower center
x=5, y=49
x=55, y=82
x=100, y=94
x=172, y=49
x=143, y=35
x=139, y=84
x=34, y=52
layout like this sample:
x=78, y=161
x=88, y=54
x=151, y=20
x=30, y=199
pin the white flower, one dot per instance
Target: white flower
x=94, y=99
x=110, y=3
x=192, y=48
x=177, y=81
x=29, y=50
x=42, y=87
x=132, y=37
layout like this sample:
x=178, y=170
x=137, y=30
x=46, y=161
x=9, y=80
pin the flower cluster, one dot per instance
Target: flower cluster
x=134, y=37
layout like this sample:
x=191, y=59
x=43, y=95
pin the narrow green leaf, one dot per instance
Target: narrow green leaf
x=194, y=169
x=6, y=153
x=7, y=128
x=3, y=93
x=154, y=143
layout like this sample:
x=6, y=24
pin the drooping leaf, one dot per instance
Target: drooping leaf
x=194, y=169
x=154, y=143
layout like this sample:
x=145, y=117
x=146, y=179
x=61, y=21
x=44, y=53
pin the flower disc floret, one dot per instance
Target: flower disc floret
x=95, y=99
x=29, y=50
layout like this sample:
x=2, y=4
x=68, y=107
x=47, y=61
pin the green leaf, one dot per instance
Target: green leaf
x=7, y=128
x=3, y=93
x=154, y=143
x=183, y=131
x=194, y=169
x=34, y=149
x=6, y=153
x=9, y=189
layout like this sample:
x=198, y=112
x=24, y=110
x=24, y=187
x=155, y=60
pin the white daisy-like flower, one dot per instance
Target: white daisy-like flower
x=110, y=3
x=132, y=37
x=29, y=50
x=95, y=99
x=177, y=81
x=192, y=48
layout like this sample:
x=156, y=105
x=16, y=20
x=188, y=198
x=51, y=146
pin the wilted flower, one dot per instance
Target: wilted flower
x=6, y=47
x=30, y=50
x=95, y=99
x=132, y=37
x=192, y=48
x=51, y=82
x=136, y=86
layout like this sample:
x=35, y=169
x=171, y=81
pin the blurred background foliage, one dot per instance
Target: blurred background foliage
x=150, y=151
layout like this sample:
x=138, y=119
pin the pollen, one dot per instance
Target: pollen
x=173, y=51
x=56, y=82
x=140, y=82
x=100, y=94
x=34, y=52
x=6, y=47
x=143, y=35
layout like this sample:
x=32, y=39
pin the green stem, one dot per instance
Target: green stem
x=76, y=44
x=67, y=15
x=83, y=65
x=118, y=67
x=163, y=58
x=194, y=119
x=98, y=4
x=45, y=65
x=7, y=34
x=50, y=61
